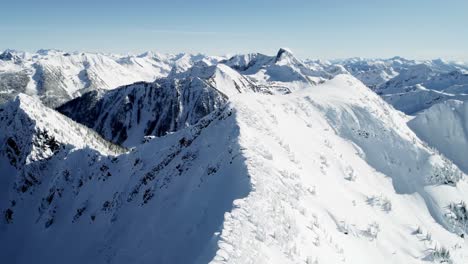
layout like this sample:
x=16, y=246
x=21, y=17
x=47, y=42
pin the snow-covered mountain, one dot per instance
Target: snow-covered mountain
x=421, y=86
x=409, y=85
x=33, y=133
x=251, y=159
x=283, y=72
x=326, y=174
x=56, y=77
x=127, y=114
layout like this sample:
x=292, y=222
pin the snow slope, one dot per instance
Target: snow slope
x=27, y=120
x=444, y=126
x=32, y=134
x=327, y=174
x=143, y=206
x=338, y=177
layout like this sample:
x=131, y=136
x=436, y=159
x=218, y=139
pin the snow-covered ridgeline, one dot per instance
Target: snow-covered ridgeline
x=323, y=175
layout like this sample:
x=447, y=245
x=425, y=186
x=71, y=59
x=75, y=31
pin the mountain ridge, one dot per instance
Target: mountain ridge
x=326, y=174
x=154, y=109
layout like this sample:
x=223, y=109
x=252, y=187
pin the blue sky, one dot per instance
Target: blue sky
x=311, y=28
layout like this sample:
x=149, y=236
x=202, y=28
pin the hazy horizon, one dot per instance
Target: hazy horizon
x=136, y=53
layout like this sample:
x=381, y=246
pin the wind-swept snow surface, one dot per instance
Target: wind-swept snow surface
x=337, y=176
x=327, y=174
x=444, y=126
x=159, y=203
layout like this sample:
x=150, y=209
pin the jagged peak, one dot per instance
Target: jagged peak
x=283, y=52
x=253, y=62
x=286, y=56
x=10, y=55
x=249, y=61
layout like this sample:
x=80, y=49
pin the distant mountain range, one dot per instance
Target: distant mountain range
x=56, y=77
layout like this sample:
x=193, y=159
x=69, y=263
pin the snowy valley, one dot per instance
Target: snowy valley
x=252, y=158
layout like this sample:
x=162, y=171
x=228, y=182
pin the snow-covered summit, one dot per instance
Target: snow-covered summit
x=283, y=71
x=10, y=55
x=285, y=56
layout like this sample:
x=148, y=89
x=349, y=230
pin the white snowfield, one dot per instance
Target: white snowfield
x=444, y=126
x=337, y=177
x=327, y=174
